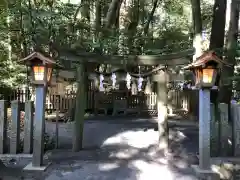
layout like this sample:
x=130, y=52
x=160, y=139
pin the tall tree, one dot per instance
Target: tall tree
x=150, y=17
x=231, y=47
x=112, y=13
x=98, y=21
x=131, y=25
x=218, y=25
x=217, y=35
x=197, y=27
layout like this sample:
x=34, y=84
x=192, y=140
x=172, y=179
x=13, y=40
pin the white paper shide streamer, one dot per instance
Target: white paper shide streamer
x=128, y=79
x=140, y=80
x=113, y=80
x=101, y=88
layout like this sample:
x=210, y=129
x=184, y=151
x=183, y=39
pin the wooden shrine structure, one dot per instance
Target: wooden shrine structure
x=83, y=64
x=88, y=62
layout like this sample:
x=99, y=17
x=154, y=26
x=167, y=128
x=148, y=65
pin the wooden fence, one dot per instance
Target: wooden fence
x=16, y=123
x=66, y=101
x=16, y=139
x=104, y=101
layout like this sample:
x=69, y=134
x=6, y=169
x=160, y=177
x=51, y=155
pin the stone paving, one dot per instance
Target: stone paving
x=116, y=151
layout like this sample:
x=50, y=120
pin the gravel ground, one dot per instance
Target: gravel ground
x=115, y=151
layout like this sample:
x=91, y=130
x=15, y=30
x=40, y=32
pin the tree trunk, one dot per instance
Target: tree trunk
x=197, y=28
x=131, y=27
x=150, y=17
x=22, y=31
x=197, y=32
x=112, y=13
x=217, y=44
x=98, y=15
x=85, y=11
x=217, y=37
x=9, y=39
x=228, y=72
x=50, y=28
x=117, y=19
x=218, y=26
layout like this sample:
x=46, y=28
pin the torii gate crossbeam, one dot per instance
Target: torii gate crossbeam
x=173, y=59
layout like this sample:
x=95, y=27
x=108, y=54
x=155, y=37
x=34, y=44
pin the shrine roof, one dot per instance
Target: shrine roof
x=206, y=57
x=41, y=57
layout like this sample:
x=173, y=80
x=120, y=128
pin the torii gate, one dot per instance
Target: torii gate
x=162, y=78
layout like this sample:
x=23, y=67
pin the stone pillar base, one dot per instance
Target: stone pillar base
x=205, y=174
x=30, y=167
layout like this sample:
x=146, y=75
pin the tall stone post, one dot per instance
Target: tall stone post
x=15, y=127
x=204, y=171
x=39, y=126
x=236, y=129
x=28, y=127
x=79, y=109
x=214, y=143
x=204, y=128
x=3, y=126
x=39, y=130
x=225, y=129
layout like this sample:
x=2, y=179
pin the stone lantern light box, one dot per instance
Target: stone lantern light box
x=207, y=69
x=41, y=68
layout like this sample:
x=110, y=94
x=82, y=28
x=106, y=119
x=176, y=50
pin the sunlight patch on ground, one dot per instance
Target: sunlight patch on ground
x=125, y=153
x=137, y=139
x=162, y=160
x=108, y=166
x=65, y=173
x=153, y=171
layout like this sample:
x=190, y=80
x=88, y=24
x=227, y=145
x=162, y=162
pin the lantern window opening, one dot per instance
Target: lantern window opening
x=207, y=69
x=41, y=68
x=39, y=72
x=207, y=75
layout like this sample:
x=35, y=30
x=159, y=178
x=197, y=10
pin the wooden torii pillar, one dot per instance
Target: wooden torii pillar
x=162, y=78
x=80, y=106
x=81, y=59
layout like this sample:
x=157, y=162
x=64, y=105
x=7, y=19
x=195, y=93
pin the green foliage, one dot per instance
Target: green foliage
x=10, y=71
x=50, y=27
x=174, y=7
x=207, y=10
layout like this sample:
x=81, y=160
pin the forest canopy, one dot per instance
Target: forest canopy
x=112, y=27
